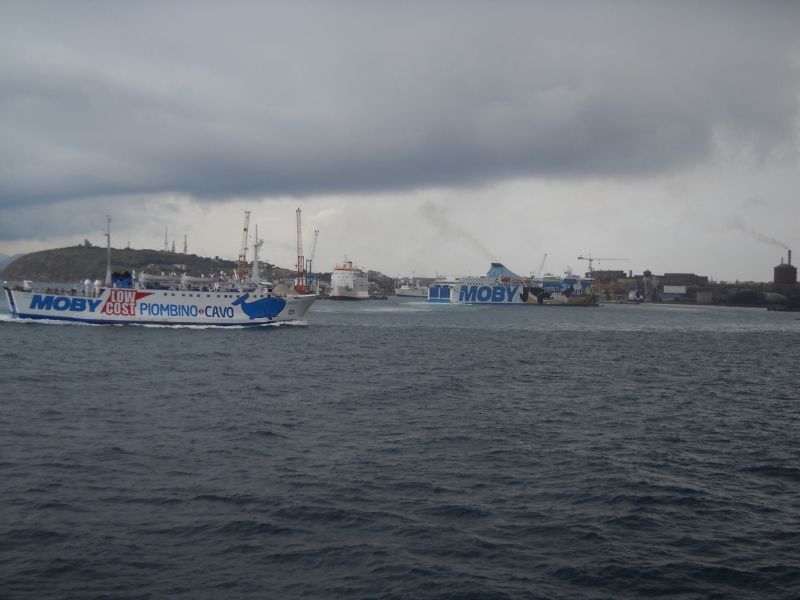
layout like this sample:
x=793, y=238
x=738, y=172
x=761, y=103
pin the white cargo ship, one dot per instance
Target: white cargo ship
x=349, y=283
x=162, y=300
x=502, y=287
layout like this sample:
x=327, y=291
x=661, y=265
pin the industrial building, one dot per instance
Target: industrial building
x=785, y=278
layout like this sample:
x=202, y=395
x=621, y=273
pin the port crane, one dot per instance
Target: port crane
x=600, y=286
x=299, y=283
x=241, y=268
x=591, y=259
x=541, y=266
x=310, y=260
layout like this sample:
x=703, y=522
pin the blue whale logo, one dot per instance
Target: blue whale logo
x=265, y=307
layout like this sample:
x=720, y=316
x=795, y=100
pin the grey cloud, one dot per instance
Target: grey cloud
x=225, y=100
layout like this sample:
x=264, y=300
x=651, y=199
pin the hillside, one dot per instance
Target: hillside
x=76, y=263
x=6, y=260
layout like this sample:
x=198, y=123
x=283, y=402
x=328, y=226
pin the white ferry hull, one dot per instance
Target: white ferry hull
x=412, y=293
x=502, y=287
x=343, y=296
x=157, y=307
x=579, y=294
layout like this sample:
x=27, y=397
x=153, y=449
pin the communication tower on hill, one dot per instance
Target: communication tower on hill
x=166, y=241
x=184, y=244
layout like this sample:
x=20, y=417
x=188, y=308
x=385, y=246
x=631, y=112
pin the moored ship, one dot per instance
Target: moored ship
x=410, y=288
x=501, y=286
x=162, y=300
x=348, y=282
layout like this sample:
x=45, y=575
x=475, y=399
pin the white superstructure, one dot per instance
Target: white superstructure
x=349, y=283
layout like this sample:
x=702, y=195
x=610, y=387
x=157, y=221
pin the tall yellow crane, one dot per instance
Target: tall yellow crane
x=600, y=285
x=241, y=268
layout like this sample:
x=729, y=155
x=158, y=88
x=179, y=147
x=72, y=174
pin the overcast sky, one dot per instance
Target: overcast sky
x=429, y=137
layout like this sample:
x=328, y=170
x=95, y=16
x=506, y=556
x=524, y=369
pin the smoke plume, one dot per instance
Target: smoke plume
x=736, y=223
x=434, y=215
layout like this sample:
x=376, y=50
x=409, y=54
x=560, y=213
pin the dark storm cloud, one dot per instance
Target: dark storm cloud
x=219, y=100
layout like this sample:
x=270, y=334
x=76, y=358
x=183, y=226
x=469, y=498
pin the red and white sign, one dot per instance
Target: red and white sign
x=122, y=303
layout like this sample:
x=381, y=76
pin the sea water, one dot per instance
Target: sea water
x=399, y=449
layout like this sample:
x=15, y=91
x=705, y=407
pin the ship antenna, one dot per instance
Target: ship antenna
x=257, y=243
x=108, y=263
x=301, y=262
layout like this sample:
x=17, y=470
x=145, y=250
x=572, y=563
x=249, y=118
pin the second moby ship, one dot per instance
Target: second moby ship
x=502, y=287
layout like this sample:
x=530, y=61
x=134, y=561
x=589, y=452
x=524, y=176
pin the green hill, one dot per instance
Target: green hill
x=6, y=260
x=68, y=265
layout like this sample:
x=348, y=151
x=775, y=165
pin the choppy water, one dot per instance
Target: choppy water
x=403, y=450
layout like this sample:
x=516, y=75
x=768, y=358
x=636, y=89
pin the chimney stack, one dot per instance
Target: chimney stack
x=790, y=257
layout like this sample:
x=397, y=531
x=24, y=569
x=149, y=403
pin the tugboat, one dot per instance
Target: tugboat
x=162, y=299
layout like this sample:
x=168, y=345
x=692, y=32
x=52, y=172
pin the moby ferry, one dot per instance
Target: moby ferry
x=501, y=286
x=162, y=300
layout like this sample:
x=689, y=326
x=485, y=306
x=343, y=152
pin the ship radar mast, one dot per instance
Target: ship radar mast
x=241, y=268
x=257, y=243
x=108, y=244
x=301, y=263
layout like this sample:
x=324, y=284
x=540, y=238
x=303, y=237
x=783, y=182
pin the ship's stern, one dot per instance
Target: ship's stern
x=440, y=293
